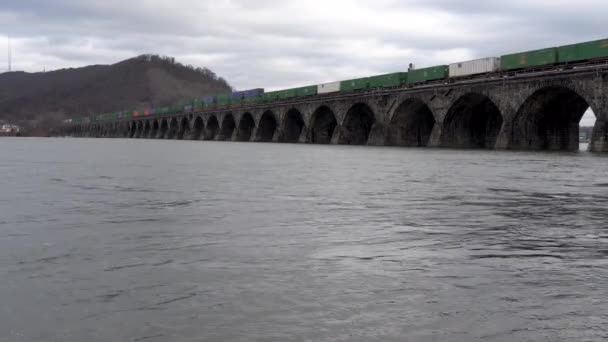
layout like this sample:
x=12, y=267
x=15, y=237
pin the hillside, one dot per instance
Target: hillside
x=38, y=99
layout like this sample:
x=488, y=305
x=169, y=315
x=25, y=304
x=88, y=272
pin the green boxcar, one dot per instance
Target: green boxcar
x=253, y=99
x=287, y=93
x=528, y=59
x=271, y=95
x=355, y=84
x=306, y=91
x=439, y=72
x=583, y=51
x=388, y=80
x=223, y=100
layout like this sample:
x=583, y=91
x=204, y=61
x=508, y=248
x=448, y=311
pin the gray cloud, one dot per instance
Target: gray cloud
x=273, y=43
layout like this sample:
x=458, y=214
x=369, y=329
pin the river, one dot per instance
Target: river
x=150, y=240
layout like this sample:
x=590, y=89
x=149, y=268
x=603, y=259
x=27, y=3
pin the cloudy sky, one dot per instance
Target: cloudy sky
x=284, y=43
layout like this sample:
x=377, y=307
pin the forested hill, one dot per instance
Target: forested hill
x=145, y=81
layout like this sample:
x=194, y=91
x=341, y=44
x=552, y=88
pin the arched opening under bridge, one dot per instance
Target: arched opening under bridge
x=473, y=121
x=323, y=126
x=197, y=129
x=357, y=125
x=550, y=120
x=184, y=129
x=267, y=127
x=411, y=124
x=292, y=126
x=212, y=128
x=227, y=128
x=246, y=126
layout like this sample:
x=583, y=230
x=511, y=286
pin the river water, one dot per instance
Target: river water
x=135, y=240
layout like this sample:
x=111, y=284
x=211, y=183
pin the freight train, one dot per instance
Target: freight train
x=568, y=56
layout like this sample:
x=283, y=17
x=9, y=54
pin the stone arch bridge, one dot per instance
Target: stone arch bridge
x=531, y=111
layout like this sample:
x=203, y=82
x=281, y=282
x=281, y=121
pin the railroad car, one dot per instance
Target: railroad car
x=439, y=72
x=529, y=59
x=474, y=67
x=331, y=87
x=388, y=80
x=271, y=96
x=583, y=51
x=354, y=84
x=306, y=91
x=223, y=100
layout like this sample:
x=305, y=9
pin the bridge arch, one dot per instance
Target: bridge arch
x=140, y=129
x=212, y=128
x=173, y=128
x=147, y=128
x=184, y=128
x=154, y=129
x=132, y=129
x=357, y=125
x=246, y=126
x=293, y=125
x=473, y=121
x=322, y=126
x=411, y=124
x=227, y=128
x=266, y=127
x=549, y=120
x=164, y=129
x=198, y=127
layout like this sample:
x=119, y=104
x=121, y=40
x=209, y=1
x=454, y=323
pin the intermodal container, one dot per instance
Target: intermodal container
x=306, y=91
x=208, y=100
x=439, y=72
x=253, y=99
x=388, y=80
x=271, y=96
x=253, y=92
x=288, y=93
x=583, y=51
x=223, y=100
x=331, y=87
x=354, y=84
x=478, y=66
x=528, y=59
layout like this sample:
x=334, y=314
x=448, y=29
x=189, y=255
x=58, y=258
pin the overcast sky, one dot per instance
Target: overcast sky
x=284, y=43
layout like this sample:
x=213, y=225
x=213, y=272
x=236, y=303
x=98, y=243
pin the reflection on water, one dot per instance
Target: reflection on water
x=118, y=240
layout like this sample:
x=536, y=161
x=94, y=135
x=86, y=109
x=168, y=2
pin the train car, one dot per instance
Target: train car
x=326, y=88
x=529, y=59
x=288, y=93
x=306, y=91
x=388, y=80
x=239, y=95
x=423, y=75
x=223, y=100
x=272, y=95
x=252, y=93
x=597, y=49
x=475, y=67
x=354, y=84
x=208, y=100
x=253, y=99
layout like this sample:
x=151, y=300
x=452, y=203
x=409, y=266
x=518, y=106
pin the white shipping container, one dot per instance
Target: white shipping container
x=328, y=87
x=478, y=66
